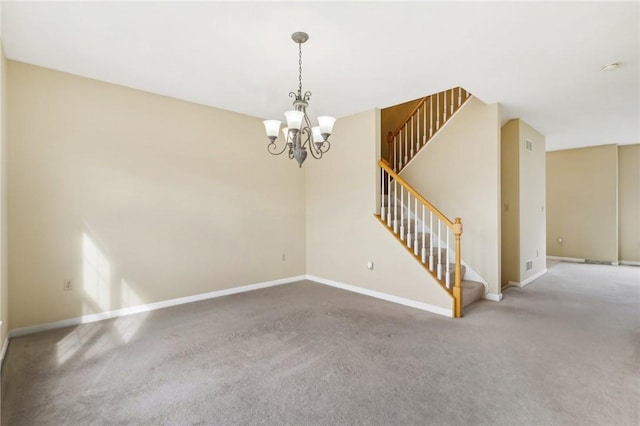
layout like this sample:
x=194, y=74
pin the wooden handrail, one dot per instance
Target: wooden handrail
x=393, y=134
x=452, y=225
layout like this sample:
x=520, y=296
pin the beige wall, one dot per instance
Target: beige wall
x=629, y=202
x=342, y=233
x=510, y=196
x=523, y=202
x=582, y=199
x=138, y=198
x=4, y=276
x=459, y=172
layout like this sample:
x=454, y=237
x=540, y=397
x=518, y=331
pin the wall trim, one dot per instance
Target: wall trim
x=566, y=259
x=529, y=280
x=629, y=263
x=149, y=307
x=384, y=296
x=494, y=297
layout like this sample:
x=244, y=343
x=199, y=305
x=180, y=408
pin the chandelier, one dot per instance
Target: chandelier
x=299, y=134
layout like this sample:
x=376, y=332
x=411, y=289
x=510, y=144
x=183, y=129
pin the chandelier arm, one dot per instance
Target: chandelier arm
x=272, y=148
x=306, y=130
x=326, y=144
x=315, y=152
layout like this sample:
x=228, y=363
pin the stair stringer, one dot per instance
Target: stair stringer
x=459, y=171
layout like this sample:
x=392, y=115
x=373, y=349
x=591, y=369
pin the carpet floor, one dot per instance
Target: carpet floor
x=562, y=351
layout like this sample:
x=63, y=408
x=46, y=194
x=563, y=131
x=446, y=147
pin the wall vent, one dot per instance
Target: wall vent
x=529, y=265
x=528, y=145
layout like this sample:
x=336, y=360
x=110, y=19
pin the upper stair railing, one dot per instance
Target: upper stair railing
x=429, y=115
x=423, y=230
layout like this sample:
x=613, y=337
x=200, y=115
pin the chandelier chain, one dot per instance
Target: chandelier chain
x=300, y=69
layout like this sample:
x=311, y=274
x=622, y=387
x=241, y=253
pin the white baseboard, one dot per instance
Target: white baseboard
x=493, y=297
x=529, y=280
x=629, y=263
x=384, y=296
x=566, y=259
x=149, y=307
x=85, y=319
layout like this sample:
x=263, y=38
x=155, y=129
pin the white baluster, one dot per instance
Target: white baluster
x=431, y=241
x=418, y=131
x=444, y=107
x=447, y=283
x=438, y=112
x=409, y=240
x=424, y=249
x=383, y=212
x=406, y=151
x=431, y=117
x=411, y=141
x=388, y=200
x=415, y=227
x=395, y=154
x=400, y=145
x=395, y=206
x=424, y=122
x=401, y=213
x=452, y=101
x=439, y=252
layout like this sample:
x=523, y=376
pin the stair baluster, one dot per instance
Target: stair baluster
x=447, y=281
x=388, y=199
x=408, y=237
x=402, y=213
x=439, y=266
x=415, y=228
x=431, y=242
x=451, y=102
x=437, y=112
x=431, y=117
x=411, y=141
x=395, y=206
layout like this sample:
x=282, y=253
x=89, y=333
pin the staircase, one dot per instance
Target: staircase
x=428, y=235
x=427, y=118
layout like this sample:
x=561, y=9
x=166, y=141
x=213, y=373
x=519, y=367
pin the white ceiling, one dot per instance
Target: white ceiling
x=541, y=61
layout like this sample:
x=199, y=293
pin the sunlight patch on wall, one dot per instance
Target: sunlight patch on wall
x=96, y=277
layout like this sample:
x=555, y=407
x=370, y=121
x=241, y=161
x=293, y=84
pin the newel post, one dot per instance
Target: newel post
x=391, y=152
x=457, y=287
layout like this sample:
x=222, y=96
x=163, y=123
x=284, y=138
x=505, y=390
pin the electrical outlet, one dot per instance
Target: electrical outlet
x=370, y=264
x=67, y=285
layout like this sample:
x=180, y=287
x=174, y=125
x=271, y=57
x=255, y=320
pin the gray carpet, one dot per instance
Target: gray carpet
x=564, y=350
